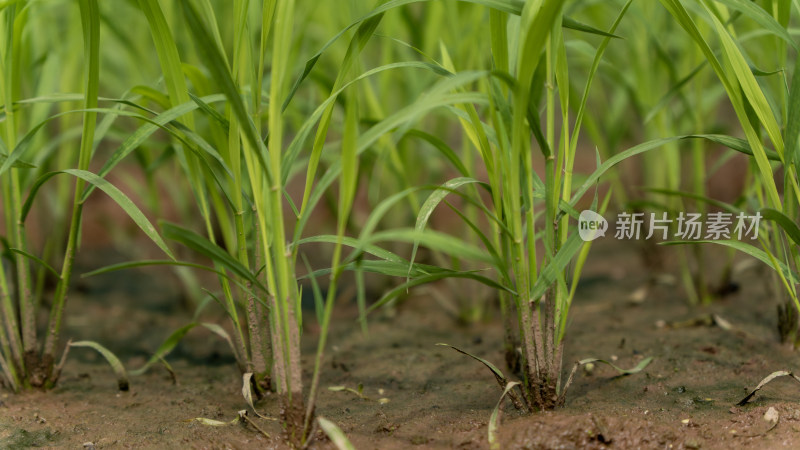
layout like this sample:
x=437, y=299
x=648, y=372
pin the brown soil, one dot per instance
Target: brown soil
x=437, y=398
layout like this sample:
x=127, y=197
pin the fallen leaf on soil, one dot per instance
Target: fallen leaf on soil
x=707, y=320
x=770, y=377
x=248, y=396
x=241, y=417
x=639, y=367
x=212, y=422
x=359, y=392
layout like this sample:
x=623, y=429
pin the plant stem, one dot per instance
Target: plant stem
x=90, y=22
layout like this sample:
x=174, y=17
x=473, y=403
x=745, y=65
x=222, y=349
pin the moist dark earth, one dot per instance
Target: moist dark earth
x=437, y=398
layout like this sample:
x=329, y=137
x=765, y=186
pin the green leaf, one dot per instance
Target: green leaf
x=749, y=249
x=785, y=222
x=37, y=260
x=116, y=365
x=741, y=81
x=442, y=147
x=146, y=263
x=493, y=420
x=573, y=24
x=509, y=6
x=354, y=243
x=165, y=348
x=592, y=179
x=217, y=65
x=139, y=136
x=757, y=100
x=424, y=279
x=768, y=23
x=495, y=371
x=432, y=202
x=434, y=240
x=793, y=121
x=211, y=112
x=168, y=56
x=719, y=204
x=120, y=198
x=673, y=91
x=499, y=262
x=556, y=266
x=388, y=268
x=16, y=164
x=316, y=292
x=335, y=434
x=639, y=367
x=592, y=72
x=206, y=248
x=364, y=32
x=167, y=262
x=733, y=143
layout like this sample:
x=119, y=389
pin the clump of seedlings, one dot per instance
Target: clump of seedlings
x=529, y=244
x=760, y=120
x=238, y=115
x=26, y=360
x=239, y=173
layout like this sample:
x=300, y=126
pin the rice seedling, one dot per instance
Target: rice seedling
x=240, y=181
x=441, y=142
x=767, y=111
x=535, y=282
x=661, y=95
x=28, y=360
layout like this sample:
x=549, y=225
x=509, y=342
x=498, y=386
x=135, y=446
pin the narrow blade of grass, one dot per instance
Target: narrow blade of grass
x=494, y=419
x=784, y=221
x=749, y=249
x=118, y=196
x=165, y=348
x=335, y=434
x=205, y=247
x=116, y=365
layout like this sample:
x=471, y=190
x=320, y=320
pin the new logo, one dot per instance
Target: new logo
x=591, y=225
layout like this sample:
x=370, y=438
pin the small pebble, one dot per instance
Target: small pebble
x=771, y=415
